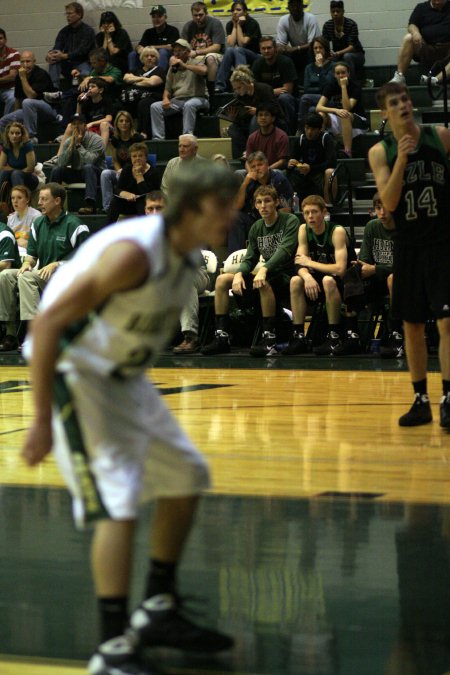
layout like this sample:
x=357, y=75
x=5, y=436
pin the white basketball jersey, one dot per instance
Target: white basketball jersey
x=125, y=335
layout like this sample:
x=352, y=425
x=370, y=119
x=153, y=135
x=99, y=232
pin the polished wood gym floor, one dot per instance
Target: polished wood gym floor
x=324, y=545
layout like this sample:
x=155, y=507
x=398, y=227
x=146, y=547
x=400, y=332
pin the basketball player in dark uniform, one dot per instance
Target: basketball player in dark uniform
x=412, y=172
x=324, y=253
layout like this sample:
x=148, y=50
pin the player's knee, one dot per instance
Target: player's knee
x=296, y=284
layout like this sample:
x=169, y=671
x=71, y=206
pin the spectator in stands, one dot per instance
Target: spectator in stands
x=144, y=87
x=17, y=158
x=342, y=35
x=115, y=40
x=123, y=137
x=428, y=37
x=135, y=180
x=96, y=107
x=187, y=152
x=323, y=255
x=274, y=237
x=72, y=46
x=189, y=315
x=22, y=217
x=100, y=67
x=313, y=160
x=9, y=67
x=184, y=92
x=376, y=259
x=317, y=74
x=30, y=84
x=279, y=72
x=258, y=173
x=154, y=202
x=295, y=33
x=270, y=140
x=341, y=107
x=249, y=95
x=207, y=39
x=162, y=36
x=81, y=157
x=53, y=238
x=242, y=45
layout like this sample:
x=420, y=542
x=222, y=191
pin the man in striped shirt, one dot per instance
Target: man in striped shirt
x=9, y=67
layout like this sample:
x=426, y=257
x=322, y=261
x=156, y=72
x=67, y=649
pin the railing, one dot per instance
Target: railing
x=442, y=90
x=343, y=167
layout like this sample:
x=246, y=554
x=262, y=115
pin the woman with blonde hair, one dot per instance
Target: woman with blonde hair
x=23, y=216
x=144, y=87
x=122, y=139
x=17, y=158
x=248, y=95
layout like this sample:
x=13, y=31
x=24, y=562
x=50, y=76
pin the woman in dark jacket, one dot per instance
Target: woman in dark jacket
x=115, y=40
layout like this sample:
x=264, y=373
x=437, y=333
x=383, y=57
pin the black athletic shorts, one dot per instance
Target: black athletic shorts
x=318, y=276
x=421, y=282
x=279, y=283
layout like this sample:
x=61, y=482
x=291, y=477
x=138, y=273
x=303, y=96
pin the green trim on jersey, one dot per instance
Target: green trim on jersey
x=63, y=401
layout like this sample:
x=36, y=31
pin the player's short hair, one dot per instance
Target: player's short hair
x=266, y=191
x=390, y=89
x=314, y=200
x=56, y=190
x=199, y=5
x=190, y=185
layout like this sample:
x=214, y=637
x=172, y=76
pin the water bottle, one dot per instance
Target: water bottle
x=75, y=81
x=295, y=203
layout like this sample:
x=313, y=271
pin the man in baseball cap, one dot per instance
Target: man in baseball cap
x=161, y=37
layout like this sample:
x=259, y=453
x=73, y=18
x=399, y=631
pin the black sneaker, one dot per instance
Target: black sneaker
x=159, y=623
x=220, y=344
x=349, y=345
x=445, y=411
x=332, y=341
x=419, y=413
x=266, y=347
x=115, y=657
x=394, y=348
x=297, y=345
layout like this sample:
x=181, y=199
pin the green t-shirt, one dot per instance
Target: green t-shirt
x=9, y=251
x=276, y=243
x=377, y=247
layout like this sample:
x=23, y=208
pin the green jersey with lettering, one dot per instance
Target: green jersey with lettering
x=321, y=247
x=125, y=335
x=423, y=213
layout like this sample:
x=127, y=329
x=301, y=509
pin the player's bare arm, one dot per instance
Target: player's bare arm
x=444, y=135
x=123, y=266
x=389, y=184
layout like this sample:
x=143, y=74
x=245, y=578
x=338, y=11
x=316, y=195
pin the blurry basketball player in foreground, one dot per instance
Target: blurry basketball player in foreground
x=412, y=171
x=104, y=317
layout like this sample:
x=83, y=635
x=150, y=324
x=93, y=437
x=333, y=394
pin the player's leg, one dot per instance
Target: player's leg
x=417, y=358
x=268, y=343
x=221, y=341
x=333, y=301
x=444, y=359
x=297, y=343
